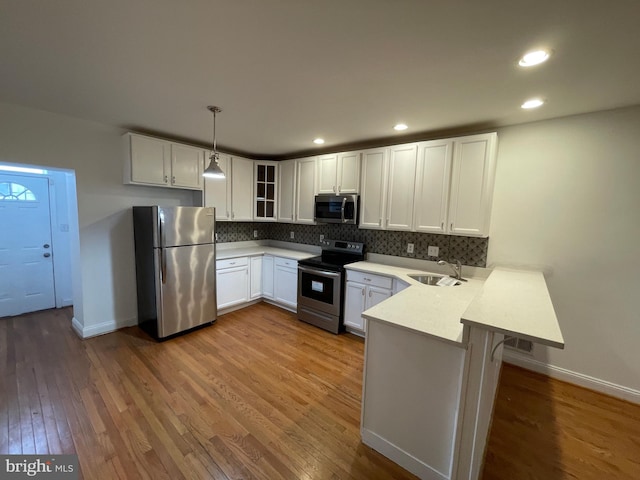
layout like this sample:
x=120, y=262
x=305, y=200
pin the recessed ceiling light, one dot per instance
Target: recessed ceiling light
x=535, y=57
x=319, y=141
x=532, y=103
x=400, y=126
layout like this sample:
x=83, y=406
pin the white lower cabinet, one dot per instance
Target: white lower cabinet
x=267, y=277
x=232, y=282
x=255, y=284
x=285, y=282
x=244, y=279
x=364, y=291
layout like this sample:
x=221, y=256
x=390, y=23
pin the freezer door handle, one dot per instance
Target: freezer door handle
x=161, y=228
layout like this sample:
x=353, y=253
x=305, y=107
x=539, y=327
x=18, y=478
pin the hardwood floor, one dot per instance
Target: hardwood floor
x=258, y=395
x=262, y=395
x=545, y=429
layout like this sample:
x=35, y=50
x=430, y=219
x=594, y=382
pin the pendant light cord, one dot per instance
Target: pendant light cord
x=215, y=111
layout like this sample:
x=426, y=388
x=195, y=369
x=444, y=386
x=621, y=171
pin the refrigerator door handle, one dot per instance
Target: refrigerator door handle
x=163, y=265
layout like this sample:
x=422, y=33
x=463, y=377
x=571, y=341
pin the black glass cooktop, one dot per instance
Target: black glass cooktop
x=335, y=255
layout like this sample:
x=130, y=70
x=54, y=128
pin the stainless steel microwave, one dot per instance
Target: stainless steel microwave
x=336, y=209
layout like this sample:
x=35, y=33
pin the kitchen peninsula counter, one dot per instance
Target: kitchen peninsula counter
x=432, y=364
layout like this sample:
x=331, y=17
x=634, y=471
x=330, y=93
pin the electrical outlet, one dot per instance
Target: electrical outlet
x=433, y=251
x=322, y=238
x=409, y=247
x=255, y=234
x=292, y=235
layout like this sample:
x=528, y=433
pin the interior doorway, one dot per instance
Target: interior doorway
x=36, y=218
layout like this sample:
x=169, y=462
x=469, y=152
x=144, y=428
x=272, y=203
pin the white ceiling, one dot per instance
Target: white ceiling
x=287, y=71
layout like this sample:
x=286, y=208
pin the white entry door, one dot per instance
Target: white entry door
x=26, y=253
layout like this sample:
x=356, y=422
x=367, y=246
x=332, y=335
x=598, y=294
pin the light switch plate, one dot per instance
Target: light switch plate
x=433, y=251
x=255, y=234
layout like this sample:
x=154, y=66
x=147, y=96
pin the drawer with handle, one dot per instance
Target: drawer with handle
x=232, y=262
x=369, y=279
x=286, y=262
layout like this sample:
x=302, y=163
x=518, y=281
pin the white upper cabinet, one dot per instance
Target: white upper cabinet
x=149, y=160
x=265, y=191
x=231, y=196
x=327, y=173
x=152, y=161
x=305, y=190
x=241, y=189
x=373, y=194
x=186, y=166
x=472, y=179
x=432, y=186
x=339, y=173
x=286, y=190
x=217, y=191
x=402, y=172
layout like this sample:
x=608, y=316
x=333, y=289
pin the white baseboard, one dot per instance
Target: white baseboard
x=77, y=326
x=101, y=328
x=237, y=307
x=569, y=376
x=399, y=456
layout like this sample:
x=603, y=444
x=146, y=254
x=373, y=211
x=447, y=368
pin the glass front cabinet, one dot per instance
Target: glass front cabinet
x=265, y=191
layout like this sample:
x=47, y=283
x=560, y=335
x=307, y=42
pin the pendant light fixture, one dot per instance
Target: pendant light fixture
x=214, y=170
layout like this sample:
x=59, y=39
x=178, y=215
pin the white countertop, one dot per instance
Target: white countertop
x=516, y=303
x=225, y=253
x=425, y=309
x=512, y=302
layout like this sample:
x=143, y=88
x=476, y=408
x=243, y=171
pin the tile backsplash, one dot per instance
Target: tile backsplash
x=470, y=251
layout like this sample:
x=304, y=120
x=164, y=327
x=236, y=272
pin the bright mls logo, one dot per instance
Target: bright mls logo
x=51, y=467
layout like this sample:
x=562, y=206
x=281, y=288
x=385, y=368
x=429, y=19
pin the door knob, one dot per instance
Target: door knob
x=46, y=255
x=46, y=245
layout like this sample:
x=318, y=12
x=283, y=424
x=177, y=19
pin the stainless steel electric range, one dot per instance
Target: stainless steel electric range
x=321, y=284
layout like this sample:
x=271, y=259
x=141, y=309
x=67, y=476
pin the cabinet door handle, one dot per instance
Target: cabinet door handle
x=166, y=179
x=369, y=293
x=232, y=263
x=363, y=292
x=451, y=226
x=173, y=180
x=334, y=189
x=227, y=214
x=442, y=226
x=339, y=188
x=46, y=255
x=380, y=222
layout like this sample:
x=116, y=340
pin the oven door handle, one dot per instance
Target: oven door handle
x=344, y=203
x=323, y=273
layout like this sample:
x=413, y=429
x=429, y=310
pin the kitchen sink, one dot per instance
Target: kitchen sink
x=428, y=279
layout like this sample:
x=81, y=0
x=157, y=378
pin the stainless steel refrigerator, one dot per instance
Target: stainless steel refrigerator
x=175, y=268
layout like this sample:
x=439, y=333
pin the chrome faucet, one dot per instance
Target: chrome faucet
x=457, y=269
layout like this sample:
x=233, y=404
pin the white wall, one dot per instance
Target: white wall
x=94, y=152
x=567, y=199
